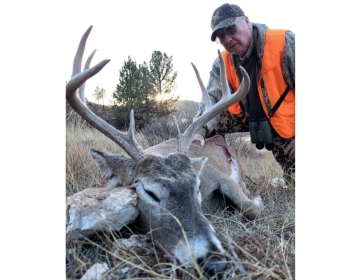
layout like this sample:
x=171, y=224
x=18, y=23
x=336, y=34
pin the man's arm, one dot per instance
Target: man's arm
x=288, y=62
x=288, y=65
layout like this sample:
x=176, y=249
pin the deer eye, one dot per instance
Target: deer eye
x=150, y=193
x=153, y=196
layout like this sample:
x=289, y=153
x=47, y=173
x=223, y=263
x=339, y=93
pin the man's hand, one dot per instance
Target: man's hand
x=290, y=149
x=200, y=138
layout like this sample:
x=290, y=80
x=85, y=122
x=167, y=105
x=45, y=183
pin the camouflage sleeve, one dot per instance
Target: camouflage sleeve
x=215, y=92
x=288, y=62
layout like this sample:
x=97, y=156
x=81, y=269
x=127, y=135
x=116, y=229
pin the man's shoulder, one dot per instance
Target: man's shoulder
x=261, y=27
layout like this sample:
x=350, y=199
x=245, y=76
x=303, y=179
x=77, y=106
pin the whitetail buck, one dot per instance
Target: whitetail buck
x=176, y=178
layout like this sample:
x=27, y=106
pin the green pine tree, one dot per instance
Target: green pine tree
x=147, y=89
x=129, y=94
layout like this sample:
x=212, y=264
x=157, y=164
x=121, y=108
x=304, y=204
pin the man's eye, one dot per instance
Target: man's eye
x=231, y=30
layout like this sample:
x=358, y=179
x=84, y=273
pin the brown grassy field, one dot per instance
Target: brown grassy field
x=260, y=249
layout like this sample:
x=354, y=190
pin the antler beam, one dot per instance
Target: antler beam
x=127, y=140
x=227, y=100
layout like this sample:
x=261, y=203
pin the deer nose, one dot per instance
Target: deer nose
x=214, y=265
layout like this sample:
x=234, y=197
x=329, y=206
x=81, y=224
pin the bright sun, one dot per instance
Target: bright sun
x=158, y=97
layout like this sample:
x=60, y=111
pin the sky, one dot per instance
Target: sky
x=38, y=41
x=137, y=28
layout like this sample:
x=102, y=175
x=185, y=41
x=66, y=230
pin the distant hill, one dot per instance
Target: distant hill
x=189, y=107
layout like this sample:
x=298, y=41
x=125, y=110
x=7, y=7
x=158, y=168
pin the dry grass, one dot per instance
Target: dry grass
x=261, y=249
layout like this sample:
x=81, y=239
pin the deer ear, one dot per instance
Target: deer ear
x=116, y=169
x=198, y=164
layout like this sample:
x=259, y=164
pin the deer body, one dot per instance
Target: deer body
x=221, y=176
x=176, y=178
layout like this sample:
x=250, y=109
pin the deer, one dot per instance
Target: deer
x=178, y=180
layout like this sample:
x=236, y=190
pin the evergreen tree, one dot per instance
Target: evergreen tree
x=149, y=92
x=147, y=89
x=129, y=94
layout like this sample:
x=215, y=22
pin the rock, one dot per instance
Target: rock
x=100, y=209
x=133, y=242
x=277, y=182
x=95, y=272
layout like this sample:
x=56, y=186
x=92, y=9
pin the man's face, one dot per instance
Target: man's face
x=239, y=42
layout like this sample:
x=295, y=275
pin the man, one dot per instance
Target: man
x=268, y=111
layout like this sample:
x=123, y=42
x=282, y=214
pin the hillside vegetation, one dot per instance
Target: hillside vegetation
x=185, y=109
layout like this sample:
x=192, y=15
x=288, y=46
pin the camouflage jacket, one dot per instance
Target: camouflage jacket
x=214, y=86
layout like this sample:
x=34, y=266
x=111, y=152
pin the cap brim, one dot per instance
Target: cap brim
x=222, y=24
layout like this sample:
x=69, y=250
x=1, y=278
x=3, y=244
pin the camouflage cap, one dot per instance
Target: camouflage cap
x=224, y=16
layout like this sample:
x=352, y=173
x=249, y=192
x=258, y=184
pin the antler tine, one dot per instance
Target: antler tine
x=185, y=139
x=127, y=140
x=82, y=87
x=205, y=97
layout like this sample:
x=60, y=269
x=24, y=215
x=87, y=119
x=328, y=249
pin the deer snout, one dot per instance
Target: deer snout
x=207, y=252
x=214, y=266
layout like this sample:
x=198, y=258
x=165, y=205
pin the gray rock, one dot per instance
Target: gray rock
x=100, y=209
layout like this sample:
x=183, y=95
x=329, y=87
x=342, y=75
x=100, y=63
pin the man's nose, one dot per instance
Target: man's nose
x=227, y=38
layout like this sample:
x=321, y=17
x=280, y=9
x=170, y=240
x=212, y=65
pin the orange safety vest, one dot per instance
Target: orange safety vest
x=283, y=121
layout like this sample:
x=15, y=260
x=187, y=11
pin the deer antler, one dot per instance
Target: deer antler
x=127, y=140
x=185, y=139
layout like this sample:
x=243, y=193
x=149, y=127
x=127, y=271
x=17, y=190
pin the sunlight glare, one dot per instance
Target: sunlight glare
x=159, y=97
